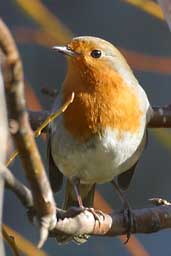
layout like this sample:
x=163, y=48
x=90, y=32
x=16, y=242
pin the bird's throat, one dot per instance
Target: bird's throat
x=106, y=102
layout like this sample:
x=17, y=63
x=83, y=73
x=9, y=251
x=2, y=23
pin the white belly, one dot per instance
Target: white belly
x=98, y=160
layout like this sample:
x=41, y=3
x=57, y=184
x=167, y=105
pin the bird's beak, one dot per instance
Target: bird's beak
x=65, y=50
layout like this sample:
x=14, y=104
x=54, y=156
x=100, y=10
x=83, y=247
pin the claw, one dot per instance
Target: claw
x=129, y=219
x=97, y=214
x=74, y=211
x=127, y=212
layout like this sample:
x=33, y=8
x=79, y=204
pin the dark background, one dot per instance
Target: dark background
x=129, y=28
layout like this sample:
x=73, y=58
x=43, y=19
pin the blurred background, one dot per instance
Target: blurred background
x=145, y=40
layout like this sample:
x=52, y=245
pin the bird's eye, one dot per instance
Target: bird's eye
x=96, y=53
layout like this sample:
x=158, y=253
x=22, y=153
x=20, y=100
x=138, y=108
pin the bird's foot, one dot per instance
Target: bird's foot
x=98, y=215
x=74, y=211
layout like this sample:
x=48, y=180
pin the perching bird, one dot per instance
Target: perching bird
x=103, y=132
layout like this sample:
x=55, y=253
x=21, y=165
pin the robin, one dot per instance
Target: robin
x=102, y=133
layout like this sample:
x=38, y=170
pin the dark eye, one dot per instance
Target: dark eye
x=96, y=53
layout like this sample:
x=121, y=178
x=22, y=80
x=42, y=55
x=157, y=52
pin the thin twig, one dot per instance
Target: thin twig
x=43, y=125
x=24, y=246
x=54, y=115
x=21, y=191
x=159, y=201
x=11, y=241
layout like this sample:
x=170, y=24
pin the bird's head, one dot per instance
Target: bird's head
x=91, y=55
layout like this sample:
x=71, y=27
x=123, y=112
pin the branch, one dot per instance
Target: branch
x=23, y=136
x=161, y=118
x=3, y=149
x=38, y=130
x=147, y=220
x=21, y=191
x=11, y=241
x=24, y=246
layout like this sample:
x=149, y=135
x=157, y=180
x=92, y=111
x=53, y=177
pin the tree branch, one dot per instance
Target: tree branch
x=11, y=241
x=3, y=149
x=147, y=220
x=21, y=191
x=161, y=118
x=23, y=136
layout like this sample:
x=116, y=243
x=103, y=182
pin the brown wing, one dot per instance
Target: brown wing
x=55, y=176
x=125, y=178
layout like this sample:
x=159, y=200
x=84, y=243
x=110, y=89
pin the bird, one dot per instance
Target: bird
x=103, y=132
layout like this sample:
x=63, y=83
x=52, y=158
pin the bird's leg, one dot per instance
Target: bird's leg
x=76, y=185
x=121, y=195
x=74, y=211
x=127, y=210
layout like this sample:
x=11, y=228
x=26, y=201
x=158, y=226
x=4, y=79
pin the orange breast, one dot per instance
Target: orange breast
x=102, y=99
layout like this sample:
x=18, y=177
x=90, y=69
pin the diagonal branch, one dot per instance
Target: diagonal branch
x=21, y=191
x=11, y=241
x=23, y=136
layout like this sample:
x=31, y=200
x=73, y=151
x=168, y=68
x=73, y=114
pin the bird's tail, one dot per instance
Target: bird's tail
x=87, y=196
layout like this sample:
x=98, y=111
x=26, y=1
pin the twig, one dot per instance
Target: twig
x=11, y=241
x=21, y=191
x=159, y=201
x=44, y=124
x=54, y=115
x=23, y=137
x=23, y=245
